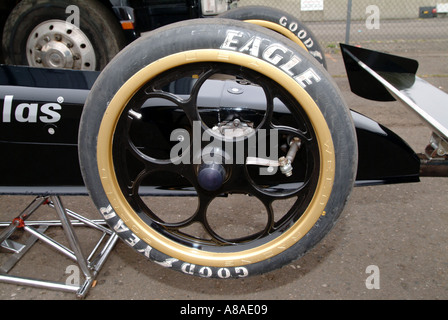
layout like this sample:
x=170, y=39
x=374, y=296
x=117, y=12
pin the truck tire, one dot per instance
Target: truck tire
x=40, y=33
x=131, y=116
x=281, y=22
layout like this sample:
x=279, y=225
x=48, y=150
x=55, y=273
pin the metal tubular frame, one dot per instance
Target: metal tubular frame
x=89, y=266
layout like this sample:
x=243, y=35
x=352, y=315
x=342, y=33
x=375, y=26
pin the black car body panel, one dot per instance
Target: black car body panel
x=40, y=113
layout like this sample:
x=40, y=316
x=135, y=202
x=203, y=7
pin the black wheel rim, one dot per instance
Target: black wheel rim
x=142, y=158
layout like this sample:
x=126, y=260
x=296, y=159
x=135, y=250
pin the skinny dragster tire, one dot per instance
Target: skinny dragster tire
x=282, y=22
x=118, y=105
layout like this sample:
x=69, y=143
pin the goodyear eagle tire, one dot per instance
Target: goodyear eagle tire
x=217, y=210
x=281, y=22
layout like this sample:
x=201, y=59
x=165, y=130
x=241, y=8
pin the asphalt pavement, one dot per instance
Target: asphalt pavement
x=397, y=233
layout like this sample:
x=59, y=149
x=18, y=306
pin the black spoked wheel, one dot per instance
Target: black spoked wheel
x=211, y=161
x=207, y=148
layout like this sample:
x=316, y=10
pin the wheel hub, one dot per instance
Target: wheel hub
x=58, y=44
x=211, y=176
x=56, y=55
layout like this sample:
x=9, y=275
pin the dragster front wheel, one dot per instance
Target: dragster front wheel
x=217, y=148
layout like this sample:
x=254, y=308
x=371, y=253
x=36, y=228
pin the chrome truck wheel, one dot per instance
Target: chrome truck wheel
x=56, y=44
x=41, y=34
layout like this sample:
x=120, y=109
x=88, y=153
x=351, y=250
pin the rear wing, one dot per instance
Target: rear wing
x=384, y=77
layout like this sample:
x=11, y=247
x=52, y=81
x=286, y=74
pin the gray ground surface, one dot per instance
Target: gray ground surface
x=401, y=229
